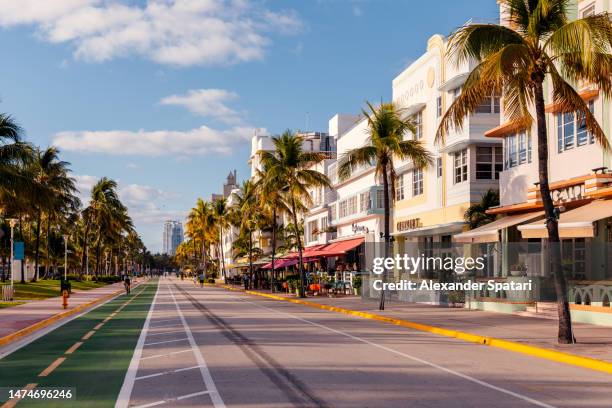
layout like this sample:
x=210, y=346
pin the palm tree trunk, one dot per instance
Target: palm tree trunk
x=387, y=223
x=221, y=252
x=299, y=248
x=85, y=239
x=48, y=248
x=37, y=245
x=273, y=244
x=251, y=256
x=24, y=257
x=565, y=335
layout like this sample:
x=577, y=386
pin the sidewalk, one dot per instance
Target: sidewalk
x=36, y=313
x=593, y=341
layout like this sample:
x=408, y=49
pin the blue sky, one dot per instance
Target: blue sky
x=163, y=95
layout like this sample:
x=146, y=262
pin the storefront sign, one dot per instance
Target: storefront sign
x=569, y=193
x=411, y=92
x=407, y=225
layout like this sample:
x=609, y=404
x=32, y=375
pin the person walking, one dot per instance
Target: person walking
x=201, y=277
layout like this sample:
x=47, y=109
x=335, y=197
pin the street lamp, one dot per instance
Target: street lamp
x=65, y=257
x=12, y=223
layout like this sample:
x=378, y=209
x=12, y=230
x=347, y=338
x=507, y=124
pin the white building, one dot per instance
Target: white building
x=173, y=236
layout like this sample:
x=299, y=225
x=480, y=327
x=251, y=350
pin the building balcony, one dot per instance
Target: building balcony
x=357, y=206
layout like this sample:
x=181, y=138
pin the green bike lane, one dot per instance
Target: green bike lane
x=89, y=354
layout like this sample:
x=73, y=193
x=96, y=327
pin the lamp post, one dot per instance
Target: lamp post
x=12, y=223
x=65, y=257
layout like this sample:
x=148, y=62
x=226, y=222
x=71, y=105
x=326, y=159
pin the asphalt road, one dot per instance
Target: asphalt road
x=207, y=347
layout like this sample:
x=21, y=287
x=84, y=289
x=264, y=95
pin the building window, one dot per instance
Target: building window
x=418, y=125
x=342, y=209
x=489, y=162
x=323, y=224
x=380, y=199
x=489, y=105
x=439, y=107
x=439, y=166
x=461, y=166
x=313, y=230
x=517, y=149
x=455, y=93
x=571, y=130
x=399, y=188
x=588, y=11
x=364, y=201
x=352, y=205
x=334, y=214
x=417, y=182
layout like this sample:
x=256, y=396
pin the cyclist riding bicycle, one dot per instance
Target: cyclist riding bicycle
x=127, y=283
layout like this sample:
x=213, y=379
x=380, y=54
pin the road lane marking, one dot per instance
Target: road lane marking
x=182, y=397
x=166, y=341
x=163, y=321
x=178, y=370
x=166, y=354
x=166, y=332
x=165, y=325
x=52, y=367
x=123, y=399
x=88, y=335
x=97, y=327
x=12, y=402
x=206, y=377
x=413, y=358
x=73, y=348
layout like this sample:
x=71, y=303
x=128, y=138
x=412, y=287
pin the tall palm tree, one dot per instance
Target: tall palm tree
x=476, y=214
x=54, y=190
x=245, y=212
x=271, y=191
x=540, y=44
x=292, y=167
x=387, y=129
x=220, y=211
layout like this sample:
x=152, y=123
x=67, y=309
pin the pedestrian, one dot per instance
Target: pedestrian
x=245, y=278
x=201, y=277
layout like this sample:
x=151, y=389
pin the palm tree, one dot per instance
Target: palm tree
x=245, y=212
x=539, y=43
x=476, y=214
x=13, y=152
x=220, y=211
x=386, y=133
x=291, y=166
x=271, y=191
x=53, y=191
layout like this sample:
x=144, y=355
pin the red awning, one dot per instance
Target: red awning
x=339, y=248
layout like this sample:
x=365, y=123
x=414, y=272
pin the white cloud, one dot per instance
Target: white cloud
x=207, y=102
x=132, y=166
x=197, y=141
x=173, y=32
x=146, y=205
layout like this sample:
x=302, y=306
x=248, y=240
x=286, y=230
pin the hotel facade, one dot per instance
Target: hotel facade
x=428, y=210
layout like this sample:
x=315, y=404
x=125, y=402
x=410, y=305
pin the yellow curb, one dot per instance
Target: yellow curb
x=10, y=338
x=548, y=354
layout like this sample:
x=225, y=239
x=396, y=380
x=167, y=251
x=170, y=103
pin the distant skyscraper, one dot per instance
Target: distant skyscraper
x=173, y=236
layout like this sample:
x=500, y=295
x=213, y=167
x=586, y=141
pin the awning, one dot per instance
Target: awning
x=338, y=248
x=490, y=232
x=448, y=228
x=454, y=82
x=281, y=263
x=577, y=223
x=413, y=109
